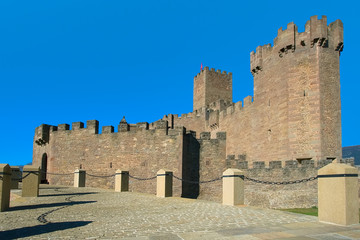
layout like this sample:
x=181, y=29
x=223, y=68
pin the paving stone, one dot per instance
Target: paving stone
x=351, y=234
x=89, y=213
x=331, y=236
x=273, y=235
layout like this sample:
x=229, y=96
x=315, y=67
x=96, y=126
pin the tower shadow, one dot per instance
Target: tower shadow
x=48, y=205
x=40, y=229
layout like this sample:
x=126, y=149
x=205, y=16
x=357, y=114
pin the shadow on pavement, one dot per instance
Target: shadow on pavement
x=48, y=187
x=67, y=194
x=40, y=229
x=48, y=205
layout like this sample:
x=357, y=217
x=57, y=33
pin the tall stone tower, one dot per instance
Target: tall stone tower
x=210, y=86
x=297, y=89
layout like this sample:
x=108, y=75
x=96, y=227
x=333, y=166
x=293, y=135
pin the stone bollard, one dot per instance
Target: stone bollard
x=121, y=181
x=338, y=194
x=233, y=187
x=79, y=178
x=15, y=177
x=30, y=181
x=5, y=182
x=164, y=183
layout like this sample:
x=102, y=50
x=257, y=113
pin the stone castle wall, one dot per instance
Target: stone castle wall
x=295, y=113
x=285, y=132
x=142, y=152
x=211, y=85
x=299, y=195
x=212, y=158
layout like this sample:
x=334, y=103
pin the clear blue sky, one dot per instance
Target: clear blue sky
x=65, y=61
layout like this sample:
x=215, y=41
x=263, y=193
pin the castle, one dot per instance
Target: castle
x=290, y=128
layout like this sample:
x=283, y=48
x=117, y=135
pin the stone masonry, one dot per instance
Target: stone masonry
x=290, y=128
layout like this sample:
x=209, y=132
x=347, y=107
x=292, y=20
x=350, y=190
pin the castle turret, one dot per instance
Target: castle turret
x=297, y=86
x=123, y=125
x=211, y=86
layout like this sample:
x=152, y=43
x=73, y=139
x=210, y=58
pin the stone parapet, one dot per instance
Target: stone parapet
x=317, y=33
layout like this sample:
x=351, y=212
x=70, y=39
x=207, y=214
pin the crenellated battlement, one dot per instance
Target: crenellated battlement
x=286, y=39
x=241, y=163
x=207, y=136
x=210, y=86
x=212, y=113
x=213, y=70
x=199, y=113
x=317, y=34
x=219, y=105
x=42, y=133
x=236, y=107
x=293, y=117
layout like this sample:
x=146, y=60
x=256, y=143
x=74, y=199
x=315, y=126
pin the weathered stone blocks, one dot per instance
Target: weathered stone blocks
x=15, y=177
x=79, y=178
x=283, y=132
x=121, y=181
x=164, y=183
x=233, y=187
x=5, y=183
x=30, y=181
x=338, y=194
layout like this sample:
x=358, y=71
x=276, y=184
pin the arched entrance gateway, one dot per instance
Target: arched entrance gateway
x=43, y=178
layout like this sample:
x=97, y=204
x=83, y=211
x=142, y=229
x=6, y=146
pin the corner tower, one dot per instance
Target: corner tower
x=210, y=86
x=298, y=82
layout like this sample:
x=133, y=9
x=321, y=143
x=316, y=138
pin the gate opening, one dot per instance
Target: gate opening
x=43, y=178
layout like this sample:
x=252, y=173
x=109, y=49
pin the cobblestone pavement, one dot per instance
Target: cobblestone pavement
x=89, y=213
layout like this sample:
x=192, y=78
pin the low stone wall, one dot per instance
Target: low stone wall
x=298, y=195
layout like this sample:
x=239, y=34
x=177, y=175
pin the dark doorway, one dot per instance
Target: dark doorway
x=190, y=167
x=44, y=169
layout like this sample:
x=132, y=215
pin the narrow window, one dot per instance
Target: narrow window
x=269, y=135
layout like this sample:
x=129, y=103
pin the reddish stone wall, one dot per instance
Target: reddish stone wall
x=142, y=152
x=299, y=195
x=295, y=115
x=212, y=164
x=296, y=111
x=330, y=103
x=199, y=91
x=195, y=121
x=210, y=86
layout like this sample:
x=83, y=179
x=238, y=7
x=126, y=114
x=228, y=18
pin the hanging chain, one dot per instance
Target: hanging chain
x=281, y=183
x=178, y=178
x=142, y=179
x=50, y=173
x=197, y=182
x=100, y=176
x=21, y=178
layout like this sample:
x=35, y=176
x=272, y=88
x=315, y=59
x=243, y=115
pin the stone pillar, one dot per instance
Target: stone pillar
x=338, y=194
x=233, y=187
x=30, y=181
x=121, y=181
x=79, y=178
x=15, y=177
x=5, y=182
x=164, y=183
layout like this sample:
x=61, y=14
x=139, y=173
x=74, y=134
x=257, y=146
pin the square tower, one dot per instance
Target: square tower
x=297, y=93
x=210, y=86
